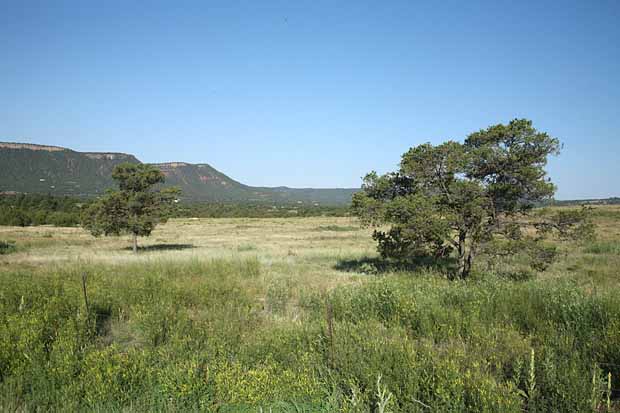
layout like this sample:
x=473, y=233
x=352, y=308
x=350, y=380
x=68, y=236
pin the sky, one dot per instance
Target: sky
x=313, y=93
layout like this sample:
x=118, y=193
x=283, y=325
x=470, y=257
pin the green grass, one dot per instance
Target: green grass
x=604, y=247
x=246, y=247
x=213, y=328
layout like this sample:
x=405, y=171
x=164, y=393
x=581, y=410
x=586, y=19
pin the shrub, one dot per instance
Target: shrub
x=7, y=247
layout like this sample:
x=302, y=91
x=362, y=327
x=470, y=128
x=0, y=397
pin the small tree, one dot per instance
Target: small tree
x=136, y=208
x=452, y=199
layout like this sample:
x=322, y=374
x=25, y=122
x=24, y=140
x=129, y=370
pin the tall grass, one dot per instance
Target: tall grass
x=604, y=247
x=201, y=336
x=249, y=330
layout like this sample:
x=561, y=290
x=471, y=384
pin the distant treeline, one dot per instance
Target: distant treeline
x=606, y=201
x=64, y=211
x=257, y=210
x=37, y=209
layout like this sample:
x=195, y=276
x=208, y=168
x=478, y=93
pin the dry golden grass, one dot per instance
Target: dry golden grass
x=303, y=251
x=288, y=247
x=180, y=239
x=253, y=291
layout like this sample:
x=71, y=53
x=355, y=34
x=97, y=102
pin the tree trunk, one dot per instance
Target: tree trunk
x=463, y=269
x=135, y=243
x=465, y=263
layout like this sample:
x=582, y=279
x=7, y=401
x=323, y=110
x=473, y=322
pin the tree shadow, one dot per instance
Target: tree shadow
x=162, y=247
x=378, y=265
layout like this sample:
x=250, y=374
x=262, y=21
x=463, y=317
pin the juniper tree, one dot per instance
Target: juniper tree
x=450, y=200
x=135, y=208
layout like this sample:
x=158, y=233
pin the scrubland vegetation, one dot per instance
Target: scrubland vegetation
x=63, y=211
x=35, y=209
x=301, y=315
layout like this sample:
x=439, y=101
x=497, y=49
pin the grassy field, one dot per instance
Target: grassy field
x=298, y=315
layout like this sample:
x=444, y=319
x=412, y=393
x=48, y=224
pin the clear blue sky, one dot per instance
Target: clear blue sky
x=312, y=93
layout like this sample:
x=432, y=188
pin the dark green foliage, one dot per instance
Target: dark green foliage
x=500, y=253
x=510, y=160
x=136, y=208
x=15, y=217
x=34, y=209
x=570, y=224
x=453, y=199
x=7, y=247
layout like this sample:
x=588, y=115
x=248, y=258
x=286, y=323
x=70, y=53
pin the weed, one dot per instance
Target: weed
x=7, y=247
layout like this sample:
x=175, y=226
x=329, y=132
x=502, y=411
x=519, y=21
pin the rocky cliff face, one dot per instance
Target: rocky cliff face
x=111, y=156
x=31, y=146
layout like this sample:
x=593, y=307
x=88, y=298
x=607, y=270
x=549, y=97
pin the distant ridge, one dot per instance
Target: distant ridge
x=595, y=201
x=31, y=146
x=33, y=168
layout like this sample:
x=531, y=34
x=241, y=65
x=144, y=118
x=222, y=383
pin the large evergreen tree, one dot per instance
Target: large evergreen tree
x=135, y=208
x=452, y=199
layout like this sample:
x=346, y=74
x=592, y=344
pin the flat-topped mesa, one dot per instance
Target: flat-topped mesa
x=32, y=147
x=51, y=148
x=33, y=168
x=170, y=168
x=108, y=155
x=170, y=165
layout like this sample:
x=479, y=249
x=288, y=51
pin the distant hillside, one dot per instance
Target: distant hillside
x=51, y=169
x=29, y=168
x=603, y=201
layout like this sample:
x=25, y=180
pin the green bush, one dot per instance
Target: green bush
x=36, y=209
x=7, y=247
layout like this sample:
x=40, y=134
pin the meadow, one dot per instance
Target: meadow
x=299, y=315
